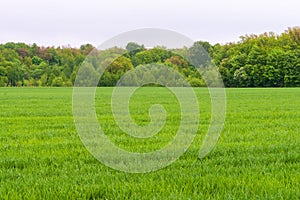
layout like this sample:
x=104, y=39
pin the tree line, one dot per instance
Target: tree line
x=266, y=60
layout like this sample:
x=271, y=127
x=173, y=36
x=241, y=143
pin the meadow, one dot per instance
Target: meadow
x=256, y=157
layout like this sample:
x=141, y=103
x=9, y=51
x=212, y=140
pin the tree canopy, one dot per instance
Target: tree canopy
x=266, y=60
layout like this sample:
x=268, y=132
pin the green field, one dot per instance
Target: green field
x=257, y=156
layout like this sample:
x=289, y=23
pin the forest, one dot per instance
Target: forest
x=265, y=60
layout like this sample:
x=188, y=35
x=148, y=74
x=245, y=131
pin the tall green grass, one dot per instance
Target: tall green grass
x=257, y=156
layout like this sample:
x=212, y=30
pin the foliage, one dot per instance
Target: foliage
x=266, y=60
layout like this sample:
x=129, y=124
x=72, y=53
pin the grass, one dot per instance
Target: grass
x=257, y=156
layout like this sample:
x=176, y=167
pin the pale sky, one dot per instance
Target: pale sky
x=63, y=22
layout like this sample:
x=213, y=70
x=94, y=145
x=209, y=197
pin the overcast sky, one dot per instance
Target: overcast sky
x=59, y=22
